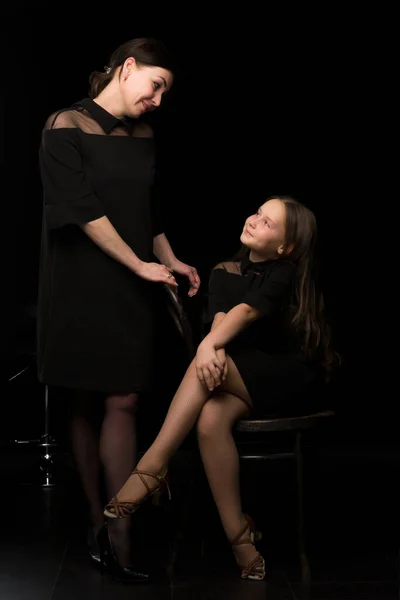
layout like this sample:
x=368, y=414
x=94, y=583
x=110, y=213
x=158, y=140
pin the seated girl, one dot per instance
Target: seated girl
x=268, y=340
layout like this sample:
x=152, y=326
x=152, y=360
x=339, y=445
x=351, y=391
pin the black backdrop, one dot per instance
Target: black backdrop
x=264, y=104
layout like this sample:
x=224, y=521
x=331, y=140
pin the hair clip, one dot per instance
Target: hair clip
x=107, y=70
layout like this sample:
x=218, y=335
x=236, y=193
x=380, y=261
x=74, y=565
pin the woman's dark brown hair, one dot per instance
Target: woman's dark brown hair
x=146, y=51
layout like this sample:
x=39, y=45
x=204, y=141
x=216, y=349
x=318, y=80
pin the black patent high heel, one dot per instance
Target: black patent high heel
x=110, y=564
x=92, y=546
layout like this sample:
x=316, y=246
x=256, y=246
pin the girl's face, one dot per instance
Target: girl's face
x=264, y=232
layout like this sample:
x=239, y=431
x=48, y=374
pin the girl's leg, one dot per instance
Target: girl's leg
x=221, y=464
x=182, y=415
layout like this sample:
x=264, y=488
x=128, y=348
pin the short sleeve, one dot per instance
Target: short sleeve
x=268, y=292
x=68, y=197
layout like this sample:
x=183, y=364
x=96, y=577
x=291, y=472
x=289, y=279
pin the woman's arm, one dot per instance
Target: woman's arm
x=162, y=249
x=70, y=199
x=102, y=232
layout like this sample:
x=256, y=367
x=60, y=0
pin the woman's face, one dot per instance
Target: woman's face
x=142, y=87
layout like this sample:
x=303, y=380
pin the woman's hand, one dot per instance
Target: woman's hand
x=189, y=272
x=210, y=366
x=156, y=272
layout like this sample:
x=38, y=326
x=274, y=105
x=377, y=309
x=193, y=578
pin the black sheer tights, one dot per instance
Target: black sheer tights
x=104, y=442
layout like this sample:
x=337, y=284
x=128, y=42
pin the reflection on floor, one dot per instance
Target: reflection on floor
x=352, y=534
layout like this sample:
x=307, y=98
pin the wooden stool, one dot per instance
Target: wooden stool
x=259, y=447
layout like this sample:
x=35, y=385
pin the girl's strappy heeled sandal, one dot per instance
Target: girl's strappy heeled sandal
x=120, y=510
x=256, y=568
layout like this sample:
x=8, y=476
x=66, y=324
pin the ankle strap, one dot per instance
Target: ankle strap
x=237, y=541
x=158, y=477
x=138, y=472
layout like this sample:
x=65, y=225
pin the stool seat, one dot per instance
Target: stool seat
x=275, y=423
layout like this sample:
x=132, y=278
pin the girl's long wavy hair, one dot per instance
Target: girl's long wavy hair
x=307, y=306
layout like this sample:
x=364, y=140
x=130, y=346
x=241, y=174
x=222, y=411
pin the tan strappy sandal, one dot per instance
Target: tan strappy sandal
x=256, y=568
x=120, y=510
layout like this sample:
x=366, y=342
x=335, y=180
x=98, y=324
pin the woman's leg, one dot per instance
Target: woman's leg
x=118, y=456
x=118, y=439
x=85, y=450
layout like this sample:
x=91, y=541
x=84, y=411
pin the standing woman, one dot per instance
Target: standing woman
x=98, y=279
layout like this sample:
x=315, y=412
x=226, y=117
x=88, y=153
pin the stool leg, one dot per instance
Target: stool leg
x=47, y=445
x=304, y=564
x=183, y=521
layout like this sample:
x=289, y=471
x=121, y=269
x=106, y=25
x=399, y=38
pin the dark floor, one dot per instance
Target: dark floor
x=352, y=543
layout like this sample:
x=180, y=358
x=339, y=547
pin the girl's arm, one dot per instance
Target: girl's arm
x=211, y=364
